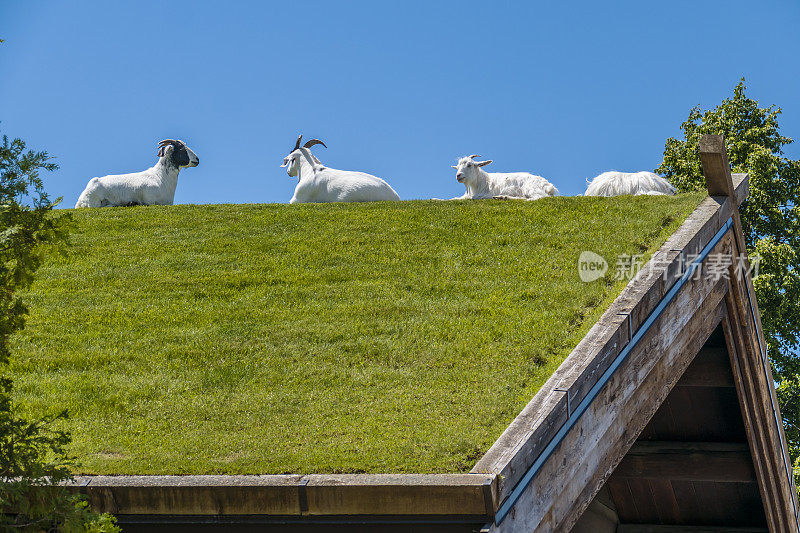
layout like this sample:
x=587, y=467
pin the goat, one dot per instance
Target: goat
x=318, y=183
x=499, y=185
x=154, y=186
x=636, y=183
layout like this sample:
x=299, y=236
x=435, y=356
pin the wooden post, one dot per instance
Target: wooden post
x=716, y=168
x=717, y=172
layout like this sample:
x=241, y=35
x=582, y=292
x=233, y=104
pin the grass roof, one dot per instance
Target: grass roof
x=385, y=337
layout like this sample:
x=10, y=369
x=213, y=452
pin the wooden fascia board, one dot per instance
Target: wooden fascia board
x=292, y=495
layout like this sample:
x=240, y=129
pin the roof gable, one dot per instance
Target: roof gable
x=556, y=457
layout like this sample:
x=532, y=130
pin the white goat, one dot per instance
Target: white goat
x=318, y=183
x=154, y=186
x=502, y=186
x=618, y=183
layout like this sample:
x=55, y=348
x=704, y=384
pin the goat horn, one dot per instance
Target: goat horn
x=168, y=141
x=297, y=144
x=312, y=142
x=473, y=156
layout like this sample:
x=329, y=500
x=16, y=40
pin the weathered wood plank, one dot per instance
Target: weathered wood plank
x=741, y=182
x=676, y=337
x=645, y=501
x=623, y=498
x=697, y=414
x=711, y=368
x=599, y=517
x=585, y=458
x=410, y=494
x=666, y=504
x=280, y=495
x=689, y=461
x=758, y=341
x=716, y=169
x=191, y=495
x=528, y=433
x=686, y=496
x=757, y=388
x=644, y=403
x=754, y=430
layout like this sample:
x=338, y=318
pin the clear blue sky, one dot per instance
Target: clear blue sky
x=398, y=89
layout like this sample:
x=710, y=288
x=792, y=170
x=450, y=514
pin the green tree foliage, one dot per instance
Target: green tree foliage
x=33, y=458
x=770, y=220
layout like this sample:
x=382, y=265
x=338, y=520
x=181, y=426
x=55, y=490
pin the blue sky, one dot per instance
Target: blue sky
x=398, y=89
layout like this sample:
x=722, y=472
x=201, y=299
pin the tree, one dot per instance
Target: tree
x=33, y=457
x=770, y=220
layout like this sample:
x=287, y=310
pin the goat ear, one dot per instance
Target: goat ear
x=163, y=150
x=483, y=163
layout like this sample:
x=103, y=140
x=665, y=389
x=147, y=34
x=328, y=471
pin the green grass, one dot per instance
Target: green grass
x=399, y=337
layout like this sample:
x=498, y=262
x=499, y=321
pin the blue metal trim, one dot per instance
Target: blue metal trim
x=531, y=473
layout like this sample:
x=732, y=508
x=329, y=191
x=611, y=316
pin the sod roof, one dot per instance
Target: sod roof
x=387, y=337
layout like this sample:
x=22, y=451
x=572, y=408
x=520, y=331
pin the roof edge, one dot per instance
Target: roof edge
x=530, y=432
x=292, y=495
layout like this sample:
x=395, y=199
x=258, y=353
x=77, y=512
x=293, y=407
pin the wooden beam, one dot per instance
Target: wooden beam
x=291, y=495
x=716, y=168
x=755, y=389
x=600, y=517
x=741, y=183
x=719, y=181
x=710, y=368
x=688, y=461
x=653, y=528
x=754, y=431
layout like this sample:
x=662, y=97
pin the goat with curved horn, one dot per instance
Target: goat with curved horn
x=154, y=186
x=314, y=142
x=318, y=183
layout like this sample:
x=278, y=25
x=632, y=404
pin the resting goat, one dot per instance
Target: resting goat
x=154, y=186
x=502, y=186
x=318, y=183
x=618, y=183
